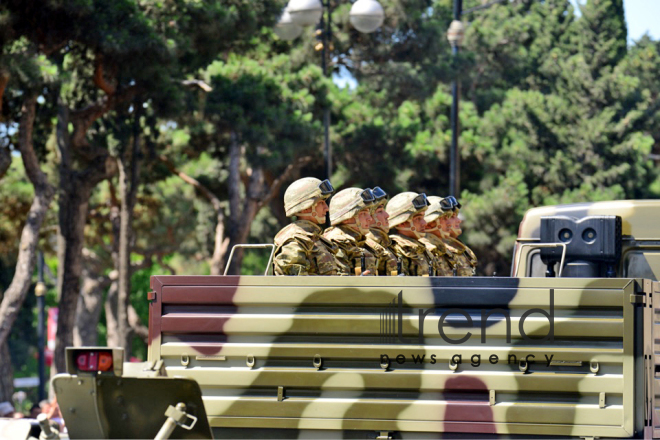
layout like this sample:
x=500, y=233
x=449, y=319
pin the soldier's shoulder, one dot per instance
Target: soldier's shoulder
x=299, y=231
x=438, y=245
x=454, y=246
x=428, y=244
x=407, y=246
x=338, y=235
x=402, y=240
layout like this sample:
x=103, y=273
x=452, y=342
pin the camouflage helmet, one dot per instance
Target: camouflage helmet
x=302, y=194
x=402, y=207
x=435, y=210
x=348, y=202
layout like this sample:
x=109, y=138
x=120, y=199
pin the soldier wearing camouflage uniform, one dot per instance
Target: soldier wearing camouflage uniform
x=378, y=242
x=406, y=211
x=350, y=218
x=443, y=260
x=450, y=228
x=300, y=248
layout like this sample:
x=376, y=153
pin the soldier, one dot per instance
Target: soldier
x=450, y=228
x=378, y=242
x=443, y=260
x=300, y=247
x=406, y=211
x=350, y=218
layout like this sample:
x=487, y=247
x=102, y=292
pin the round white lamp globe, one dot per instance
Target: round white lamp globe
x=367, y=15
x=286, y=29
x=305, y=12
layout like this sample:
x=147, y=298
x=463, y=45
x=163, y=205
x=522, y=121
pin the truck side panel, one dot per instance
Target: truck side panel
x=346, y=353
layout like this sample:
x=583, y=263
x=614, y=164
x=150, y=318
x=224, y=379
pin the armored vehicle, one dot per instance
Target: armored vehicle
x=565, y=347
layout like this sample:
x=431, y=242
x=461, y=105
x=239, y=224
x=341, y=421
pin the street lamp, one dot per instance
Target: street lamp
x=455, y=36
x=366, y=16
x=286, y=29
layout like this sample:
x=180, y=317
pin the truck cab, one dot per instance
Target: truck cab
x=640, y=236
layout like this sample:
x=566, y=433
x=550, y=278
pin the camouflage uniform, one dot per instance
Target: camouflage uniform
x=443, y=260
x=415, y=259
x=347, y=205
x=466, y=260
x=379, y=243
x=302, y=250
x=351, y=249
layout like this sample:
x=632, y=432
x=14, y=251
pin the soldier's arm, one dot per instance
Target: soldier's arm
x=291, y=260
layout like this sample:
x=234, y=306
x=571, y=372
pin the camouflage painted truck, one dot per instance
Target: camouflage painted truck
x=565, y=347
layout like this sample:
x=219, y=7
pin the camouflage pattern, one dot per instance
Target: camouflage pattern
x=301, y=195
x=302, y=250
x=434, y=211
x=465, y=260
x=351, y=249
x=379, y=243
x=401, y=209
x=277, y=356
x=345, y=205
x=443, y=260
x=415, y=259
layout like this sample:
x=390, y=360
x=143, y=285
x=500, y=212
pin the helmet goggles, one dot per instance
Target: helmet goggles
x=326, y=188
x=449, y=203
x=420, y=201
x=379, y=193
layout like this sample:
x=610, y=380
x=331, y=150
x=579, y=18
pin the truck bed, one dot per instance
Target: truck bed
x=308, y=354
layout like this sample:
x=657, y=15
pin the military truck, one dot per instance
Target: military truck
x=565, y=347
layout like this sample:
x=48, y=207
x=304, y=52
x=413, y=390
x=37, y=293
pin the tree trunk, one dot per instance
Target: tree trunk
x=43, y=194
x=113, y=337
x=88, y=311
x=241, y=220
x=111, y=300
x=5, y=161
x=221, y=246
x=128, y=164
x=6, y=374
x=75, y=189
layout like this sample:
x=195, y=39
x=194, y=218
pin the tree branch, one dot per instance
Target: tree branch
x=99, y=78
x=215, y=201
x=285, y=176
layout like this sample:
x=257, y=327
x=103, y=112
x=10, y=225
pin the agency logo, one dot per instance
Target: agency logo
x=391, y=323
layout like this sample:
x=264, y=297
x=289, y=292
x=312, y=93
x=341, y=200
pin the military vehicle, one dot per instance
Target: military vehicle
x=565, y=347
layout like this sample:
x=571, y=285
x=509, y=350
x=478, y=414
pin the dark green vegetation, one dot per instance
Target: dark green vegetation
x=168, y=131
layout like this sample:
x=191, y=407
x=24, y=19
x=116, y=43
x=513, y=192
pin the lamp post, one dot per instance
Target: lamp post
x=366, y=16
x=455, y=36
